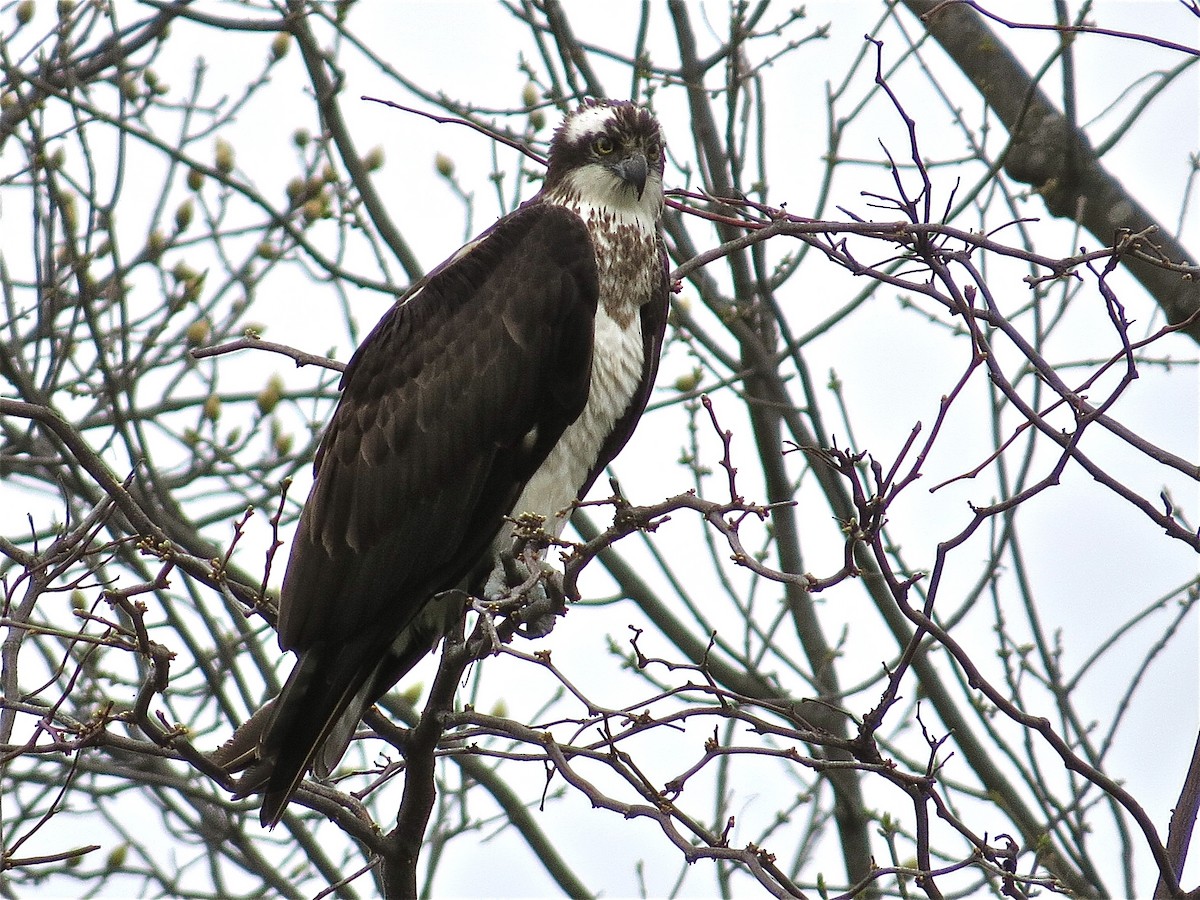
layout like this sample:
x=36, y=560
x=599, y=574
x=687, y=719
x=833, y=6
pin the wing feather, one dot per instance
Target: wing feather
x=425, y=448
x=423, y=457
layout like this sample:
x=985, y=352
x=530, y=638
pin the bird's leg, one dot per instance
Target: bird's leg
x=547, y=602
x=533, y=597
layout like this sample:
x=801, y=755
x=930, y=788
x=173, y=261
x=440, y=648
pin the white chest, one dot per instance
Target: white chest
x=617, y=360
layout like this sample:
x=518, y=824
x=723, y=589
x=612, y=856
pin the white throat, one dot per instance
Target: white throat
x=593, y=192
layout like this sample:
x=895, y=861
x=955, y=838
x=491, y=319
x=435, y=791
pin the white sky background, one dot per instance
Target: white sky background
x=1090, y=582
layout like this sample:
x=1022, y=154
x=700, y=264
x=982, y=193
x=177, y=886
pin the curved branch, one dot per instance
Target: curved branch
x=1041, y=140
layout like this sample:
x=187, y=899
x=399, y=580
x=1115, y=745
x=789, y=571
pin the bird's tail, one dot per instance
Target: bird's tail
x=311, y=723
x=320, y=696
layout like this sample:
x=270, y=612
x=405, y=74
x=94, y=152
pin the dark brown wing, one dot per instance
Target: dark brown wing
x=426, y=451
x=448, y=407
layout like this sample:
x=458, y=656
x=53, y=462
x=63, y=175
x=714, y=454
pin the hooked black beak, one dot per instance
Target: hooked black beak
x=634, y=170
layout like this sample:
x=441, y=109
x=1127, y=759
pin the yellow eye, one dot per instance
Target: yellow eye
x=603, y=146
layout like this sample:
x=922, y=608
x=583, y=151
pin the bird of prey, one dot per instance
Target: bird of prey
x=502, y=383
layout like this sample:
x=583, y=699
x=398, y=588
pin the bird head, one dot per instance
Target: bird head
x=608, y=153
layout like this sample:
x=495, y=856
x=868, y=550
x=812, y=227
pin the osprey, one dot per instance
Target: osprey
x=502, y=383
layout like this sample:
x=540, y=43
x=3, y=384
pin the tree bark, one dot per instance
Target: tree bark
x=1056, y=158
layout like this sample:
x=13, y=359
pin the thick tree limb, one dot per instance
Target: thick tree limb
x=1055, y=157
